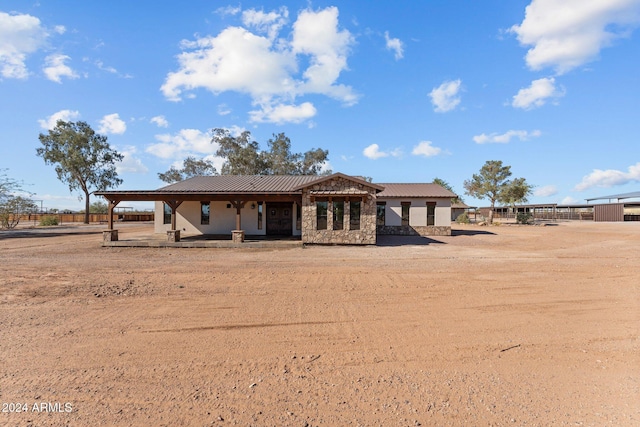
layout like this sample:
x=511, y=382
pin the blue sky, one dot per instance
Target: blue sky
x=398, y=91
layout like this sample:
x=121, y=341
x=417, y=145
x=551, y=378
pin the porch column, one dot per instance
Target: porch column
x=237, y=235
x=110, y=235
x=173, y=235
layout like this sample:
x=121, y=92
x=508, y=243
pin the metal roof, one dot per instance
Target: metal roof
x=415, y=190
x=241, y=184
x=631, y=195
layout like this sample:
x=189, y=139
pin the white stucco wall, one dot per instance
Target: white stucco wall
x=417, y=212
x=221, y=219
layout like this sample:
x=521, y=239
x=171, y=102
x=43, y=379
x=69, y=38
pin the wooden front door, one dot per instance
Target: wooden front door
x=279, y=219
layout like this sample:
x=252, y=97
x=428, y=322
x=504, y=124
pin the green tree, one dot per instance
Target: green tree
x=489, y=183
x=83, y=159
x=445, y=184
x=99, y=207
x=190, y=167
x=243, y=156
x=515, y=192
x=12, y=204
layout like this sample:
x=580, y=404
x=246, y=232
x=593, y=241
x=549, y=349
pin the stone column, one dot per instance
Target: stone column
x=173, y=235
x=237, y=236
x=110, y=235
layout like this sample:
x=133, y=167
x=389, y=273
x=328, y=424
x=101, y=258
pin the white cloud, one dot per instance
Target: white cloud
x=56, y=68
x=569, y=201
x=446, y=96
x=130, y=162
x=546, y=191
x=609, y=178
x=60, y=29
x=537, y=94
x=111, y=123
x=395, y=45
x=160, y=121
x=373, y=152
x=64, y=115
x=268, y=23
x=223, y=110
x=186, y=142
x=268, y=68
x=280, y=114
x=424, y=148
x=20, y=35
x=567, y=34
x=505, y=138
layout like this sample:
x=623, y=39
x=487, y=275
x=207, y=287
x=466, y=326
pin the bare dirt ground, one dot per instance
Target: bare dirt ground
x=527, y=326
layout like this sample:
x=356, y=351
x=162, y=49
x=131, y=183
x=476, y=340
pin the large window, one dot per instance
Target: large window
x=380, y=213
x=406, y=207
x=338, y=214
x=260, y=215
x=354, y=215
x=204, y=213
x=431, y=213
x=321, y=215
x=298, y=216
x=167, y=214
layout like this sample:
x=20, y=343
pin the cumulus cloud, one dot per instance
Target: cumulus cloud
x=160, y=121
x=55, y=68
x=426, y=149
x=546, y=191
x=268, y=68
x=20, y=36
x=111, y=123
x=130, y=162
x=568, y=201
x=609, y=178
x=268, y=23
x=280, y=114
x=394, y=45
x=537, y=94
x=505, y=138
x=446, y=97
x=566, y=34
x=373, y=152
x=182, y=144
x=64, y=115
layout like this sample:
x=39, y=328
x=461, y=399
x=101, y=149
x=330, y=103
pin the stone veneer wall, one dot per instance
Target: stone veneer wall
x=409, y=230
x=367, y=233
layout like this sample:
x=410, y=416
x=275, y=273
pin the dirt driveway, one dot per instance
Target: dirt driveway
x=527, y=326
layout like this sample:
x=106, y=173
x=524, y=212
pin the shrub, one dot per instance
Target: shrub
x=49, y=220
x=463, y=218
x=524, y=218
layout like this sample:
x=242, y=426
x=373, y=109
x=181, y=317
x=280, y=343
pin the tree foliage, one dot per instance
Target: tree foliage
x=492, y=183
x=83, y=159
x=243, y=156
x=12, y=204
x=99, y=207
x=190, y=167
x=445, y=184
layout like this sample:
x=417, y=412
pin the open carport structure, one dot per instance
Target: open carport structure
x=619, y=210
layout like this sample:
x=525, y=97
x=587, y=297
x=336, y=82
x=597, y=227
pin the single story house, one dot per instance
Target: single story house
x=331, y=209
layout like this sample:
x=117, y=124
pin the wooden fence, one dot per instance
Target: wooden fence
x=93, y=218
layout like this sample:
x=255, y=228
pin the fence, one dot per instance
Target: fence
x=93, y=218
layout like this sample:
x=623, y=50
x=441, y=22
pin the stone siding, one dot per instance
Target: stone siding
x=339, y=189
x=408, y=230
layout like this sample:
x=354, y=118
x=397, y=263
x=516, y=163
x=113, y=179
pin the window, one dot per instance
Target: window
x=204, y=213
x=259, y=215
x=338, y=214
x=167, y=214
x=354, y=215
x=380, y=209
x=321, y=215
x=406, y=206
x=431, y=213
x=298, y=217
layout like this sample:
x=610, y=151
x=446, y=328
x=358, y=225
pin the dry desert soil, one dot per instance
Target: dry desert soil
x=492, y=326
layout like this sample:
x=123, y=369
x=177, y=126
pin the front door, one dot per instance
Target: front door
x=279, y=219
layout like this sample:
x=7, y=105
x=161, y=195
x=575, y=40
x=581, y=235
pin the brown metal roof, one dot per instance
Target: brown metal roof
x=414, y=190
x=241, y=184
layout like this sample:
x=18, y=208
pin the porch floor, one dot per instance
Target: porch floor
x=208, y=241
